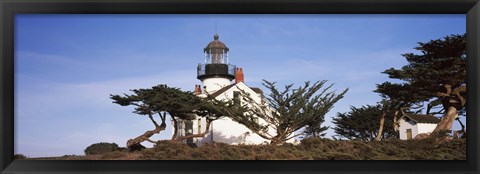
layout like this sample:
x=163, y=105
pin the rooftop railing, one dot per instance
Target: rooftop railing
x=208, y=70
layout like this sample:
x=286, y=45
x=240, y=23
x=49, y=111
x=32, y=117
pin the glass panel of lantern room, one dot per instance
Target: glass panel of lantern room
x=209, y=56
x=215, y=56
x=205, y=56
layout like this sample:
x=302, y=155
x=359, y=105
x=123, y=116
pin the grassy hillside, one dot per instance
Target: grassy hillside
x=309, y=149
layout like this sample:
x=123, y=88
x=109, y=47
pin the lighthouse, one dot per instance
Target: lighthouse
x=215, y=73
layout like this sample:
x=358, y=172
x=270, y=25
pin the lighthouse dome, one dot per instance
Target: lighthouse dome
x=216, y=45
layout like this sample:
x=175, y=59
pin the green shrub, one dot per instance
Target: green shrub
x=19, y=156
x=123, y=149
x=135, y=147
x=101, y=148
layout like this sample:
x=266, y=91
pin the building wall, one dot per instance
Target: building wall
x=228, y=131
x=426, y=127
x=213, y=84
x=417, y=128
x=404, y=125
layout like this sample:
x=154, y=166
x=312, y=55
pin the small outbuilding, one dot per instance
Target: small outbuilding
x=410, y=125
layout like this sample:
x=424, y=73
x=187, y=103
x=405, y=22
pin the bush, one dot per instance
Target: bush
x=101, y=148
x=135, y=147
x=19, y=156
x=123, y=149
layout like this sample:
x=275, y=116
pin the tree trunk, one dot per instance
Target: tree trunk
x=451, y=100
x=380, y=129
x=275, y=141
x=145, y=136
x=395, y=122
x=175, y=127
x=278, y=139
x=207, y=130
x=447, y=120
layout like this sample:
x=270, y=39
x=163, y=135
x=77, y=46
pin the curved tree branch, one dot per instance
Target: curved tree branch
x=145, y=136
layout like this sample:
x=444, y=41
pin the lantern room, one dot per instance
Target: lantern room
x=216, y=52
x=216, y=62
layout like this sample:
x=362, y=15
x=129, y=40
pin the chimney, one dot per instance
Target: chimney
x=239, y=77
x=198, y=90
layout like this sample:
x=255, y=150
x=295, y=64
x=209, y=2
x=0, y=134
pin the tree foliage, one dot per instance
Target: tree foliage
x=162, y=100
x=362, y=124
x=399, y=95
x=396, y=99
x=438, y=74
x=285, y=112
x=441, y=62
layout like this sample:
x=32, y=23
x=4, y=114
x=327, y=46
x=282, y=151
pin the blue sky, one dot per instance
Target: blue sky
x=67, y=65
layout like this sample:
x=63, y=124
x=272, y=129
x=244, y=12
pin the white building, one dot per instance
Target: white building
x=217, y=75
x=412, y=124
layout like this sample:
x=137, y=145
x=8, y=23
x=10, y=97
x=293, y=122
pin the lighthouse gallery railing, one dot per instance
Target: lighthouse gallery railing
x=215, y=70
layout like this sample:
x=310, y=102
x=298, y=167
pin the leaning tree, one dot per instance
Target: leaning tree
x=143, y=100
x=284, y=112
x=439, y=72
x=162, y=100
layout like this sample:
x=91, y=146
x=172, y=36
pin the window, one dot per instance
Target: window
x=199, y=126
x=409, y=134
x=236, y=97
x=180, y=128
x=189, y=131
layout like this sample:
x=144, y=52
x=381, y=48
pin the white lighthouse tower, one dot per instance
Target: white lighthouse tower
x=216, y=72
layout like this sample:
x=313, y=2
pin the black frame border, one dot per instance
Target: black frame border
x=9, y=8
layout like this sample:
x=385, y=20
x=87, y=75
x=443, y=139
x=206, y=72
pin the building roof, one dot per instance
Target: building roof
x=222, y=90
x=216, y=45
x=257, y=90
x=422, y=118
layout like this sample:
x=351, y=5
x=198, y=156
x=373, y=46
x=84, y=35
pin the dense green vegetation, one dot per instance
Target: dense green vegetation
x=286, y=111
x=362, y=124
x=101, y=148
x=308, y=149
